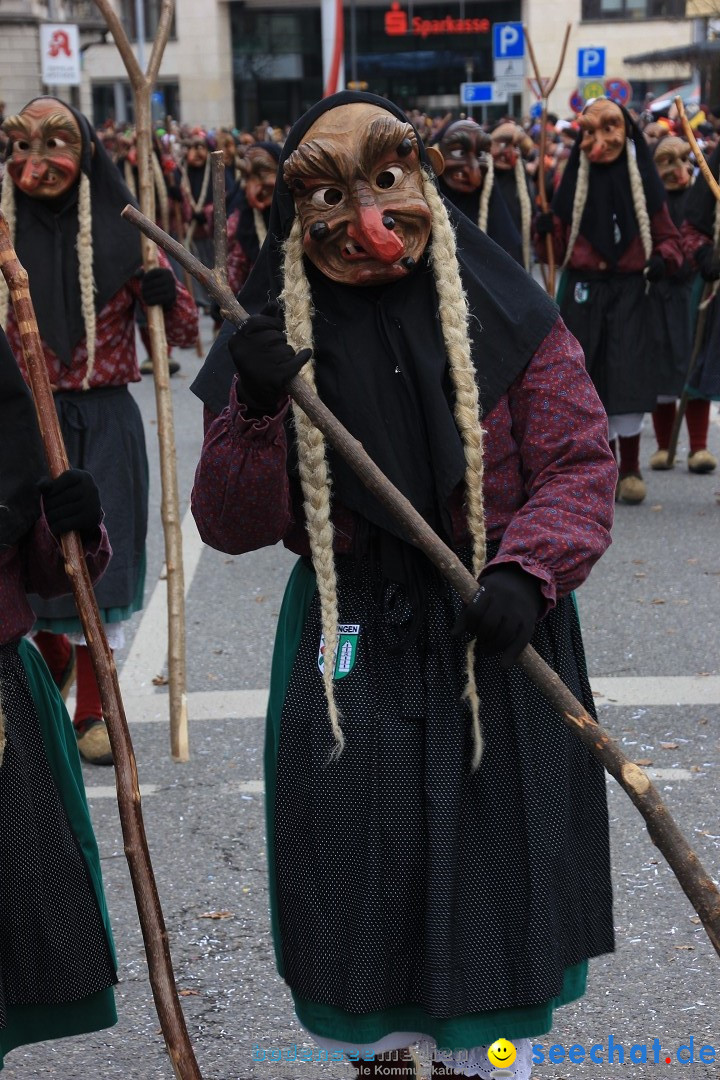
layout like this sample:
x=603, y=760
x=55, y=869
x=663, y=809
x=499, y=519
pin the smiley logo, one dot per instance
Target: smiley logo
x=502, y=1053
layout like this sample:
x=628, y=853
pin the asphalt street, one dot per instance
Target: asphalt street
x=651, y=620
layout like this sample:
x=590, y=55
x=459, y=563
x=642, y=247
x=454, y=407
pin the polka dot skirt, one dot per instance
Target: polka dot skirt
x=402, y=877
x=53, y=945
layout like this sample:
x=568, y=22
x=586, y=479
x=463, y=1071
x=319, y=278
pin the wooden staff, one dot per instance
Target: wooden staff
x=152, y=923
x=708, y=292
x=694, y=879
x=142, y=85
x=177, y=214
x=545, y=89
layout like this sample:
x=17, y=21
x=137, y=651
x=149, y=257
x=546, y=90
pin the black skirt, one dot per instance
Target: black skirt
x=401, y=876
x=103, y=433
x=608, y=314
x=704, y=382
x=670, y=333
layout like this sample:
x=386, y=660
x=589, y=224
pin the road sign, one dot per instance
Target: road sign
x=479, y=93
x=508, y=41
x=593, y=89
x=509, y=84
x=509, y=74
x=60, y=52
x=619, y=91
x=591, y=63
x=577, y=102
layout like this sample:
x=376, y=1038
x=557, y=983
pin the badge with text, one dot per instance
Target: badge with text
x=346, y=653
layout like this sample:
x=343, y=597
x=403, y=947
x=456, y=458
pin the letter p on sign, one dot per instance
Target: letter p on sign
x=508, y=41
x=591, y=63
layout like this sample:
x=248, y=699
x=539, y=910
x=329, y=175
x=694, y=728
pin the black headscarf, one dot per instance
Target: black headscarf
x=609, y=223
x=701, y=204
x=500, y=226
x=380, y=358
x=46, y=238
x=22, y=458
x=246, y=233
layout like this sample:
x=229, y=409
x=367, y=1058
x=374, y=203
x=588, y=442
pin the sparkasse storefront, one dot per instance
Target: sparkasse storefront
x=416, y=54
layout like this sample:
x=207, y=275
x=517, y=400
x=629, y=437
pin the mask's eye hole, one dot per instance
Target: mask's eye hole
x=389, y=177
x=22, y=144
x=55, y=144
x=328, y=196
x=459, y=153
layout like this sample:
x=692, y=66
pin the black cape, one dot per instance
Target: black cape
x=380, y=359
x=46, y=238
x=500, y=225
x=701, y=203
x=22, y=458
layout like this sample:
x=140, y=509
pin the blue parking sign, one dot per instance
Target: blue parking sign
x=508, y=41
x=591, y=63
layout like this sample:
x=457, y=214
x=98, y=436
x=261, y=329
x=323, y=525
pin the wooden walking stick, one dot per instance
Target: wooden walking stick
x=152, y=923
x=142, y=84
x=545, y=88
x=708, y=294
x=694, y=879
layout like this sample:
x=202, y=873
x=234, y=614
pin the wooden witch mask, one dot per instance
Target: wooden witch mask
x=602, y=124
x=672, y=158
x=465, y=148
x=358, y=188
x=46, y=149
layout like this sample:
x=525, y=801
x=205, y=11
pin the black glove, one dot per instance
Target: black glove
x=503, y=614
x=544, y=223
x=265, y=362
x=199, y=217
x=71, y=503
x=174, y=192
x=157, y=286
x=655, y=268
x=708, y=263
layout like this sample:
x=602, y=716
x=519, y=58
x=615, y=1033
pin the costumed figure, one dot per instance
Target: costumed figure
x=512, y=181
x=62, y=198
x=468, y=181
x=701, y=239
x=614, y=237
x=57, y=959
x=194, y=178
x=671, y=323
x=249, y=210
x=438, y=838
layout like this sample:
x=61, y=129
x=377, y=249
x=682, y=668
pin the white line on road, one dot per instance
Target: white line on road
x=657, y=690
x=109, y=791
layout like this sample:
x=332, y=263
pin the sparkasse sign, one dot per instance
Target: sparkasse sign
x=397, y=24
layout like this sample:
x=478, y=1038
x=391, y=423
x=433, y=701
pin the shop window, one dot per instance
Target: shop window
x=633, y=9
x=151, y=12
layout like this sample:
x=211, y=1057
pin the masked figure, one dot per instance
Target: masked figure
x=57, y=961
x=63, y=197
x=249, y=210
x=417, y=789
x=468, y=181
x=513, y=182
x=614, y=238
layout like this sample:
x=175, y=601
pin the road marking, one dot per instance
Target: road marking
x=109, y=791
x=657, y=690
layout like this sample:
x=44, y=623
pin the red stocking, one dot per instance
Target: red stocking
x=88, y=705
x=663, y=418
x=697, y=418
x=629, y=454
x=55, y=650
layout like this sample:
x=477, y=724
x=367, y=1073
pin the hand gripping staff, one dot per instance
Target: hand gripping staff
x=152, y=923
x=665, y=834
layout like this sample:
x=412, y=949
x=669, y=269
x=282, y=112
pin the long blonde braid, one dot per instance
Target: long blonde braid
x=314, y=470
x=7, y=205
x=87, y=281
x=639, y=201
x=454, y=315
x=525, y=208
x=485, y=194
x=582, y=186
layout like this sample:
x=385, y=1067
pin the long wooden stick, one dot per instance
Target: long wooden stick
x=152, y=923
x=694, y=879
x=545, y=89
x=142, y=85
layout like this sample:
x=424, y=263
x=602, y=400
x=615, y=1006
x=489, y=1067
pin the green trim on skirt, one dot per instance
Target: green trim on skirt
x=72, y=625
x=456, y=1033
x=35, y=1023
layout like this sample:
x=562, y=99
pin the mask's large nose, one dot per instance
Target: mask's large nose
x=368, y=232
x=33, y=174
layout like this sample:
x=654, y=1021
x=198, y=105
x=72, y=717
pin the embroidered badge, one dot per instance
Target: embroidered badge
x=346, y=653
x=582, y=291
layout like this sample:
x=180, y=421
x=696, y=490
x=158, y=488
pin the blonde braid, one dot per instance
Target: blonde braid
x=161, y=192
x=7, y=205
x=485, y=195
x=454, y=315
x=579, y=199
x=130, y=178
x=639, y=201
x=314, y=471
x=260, y=226
x=87, y=283
x=525, y=209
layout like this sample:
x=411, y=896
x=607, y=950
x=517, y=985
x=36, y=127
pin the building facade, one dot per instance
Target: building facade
x=238, y=62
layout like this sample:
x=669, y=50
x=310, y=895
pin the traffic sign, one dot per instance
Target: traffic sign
x=60, y=53
x=593, y=89
x=508, y=41
x=482, y=94
x=509, y=74
x=591, y=63
x=619, y=91
x=577, y=102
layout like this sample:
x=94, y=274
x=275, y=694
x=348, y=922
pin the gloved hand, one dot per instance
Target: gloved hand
x=199, y=217
x=174, y=192
x=71, y=503
x=265, y=362
x=503, y=614
x=655, y=268
x=157, y=286
x=708, y=263
x=544, y=223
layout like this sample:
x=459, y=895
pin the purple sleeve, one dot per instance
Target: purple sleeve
x=568, y=470
x=45, y=564
x=241, y=495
